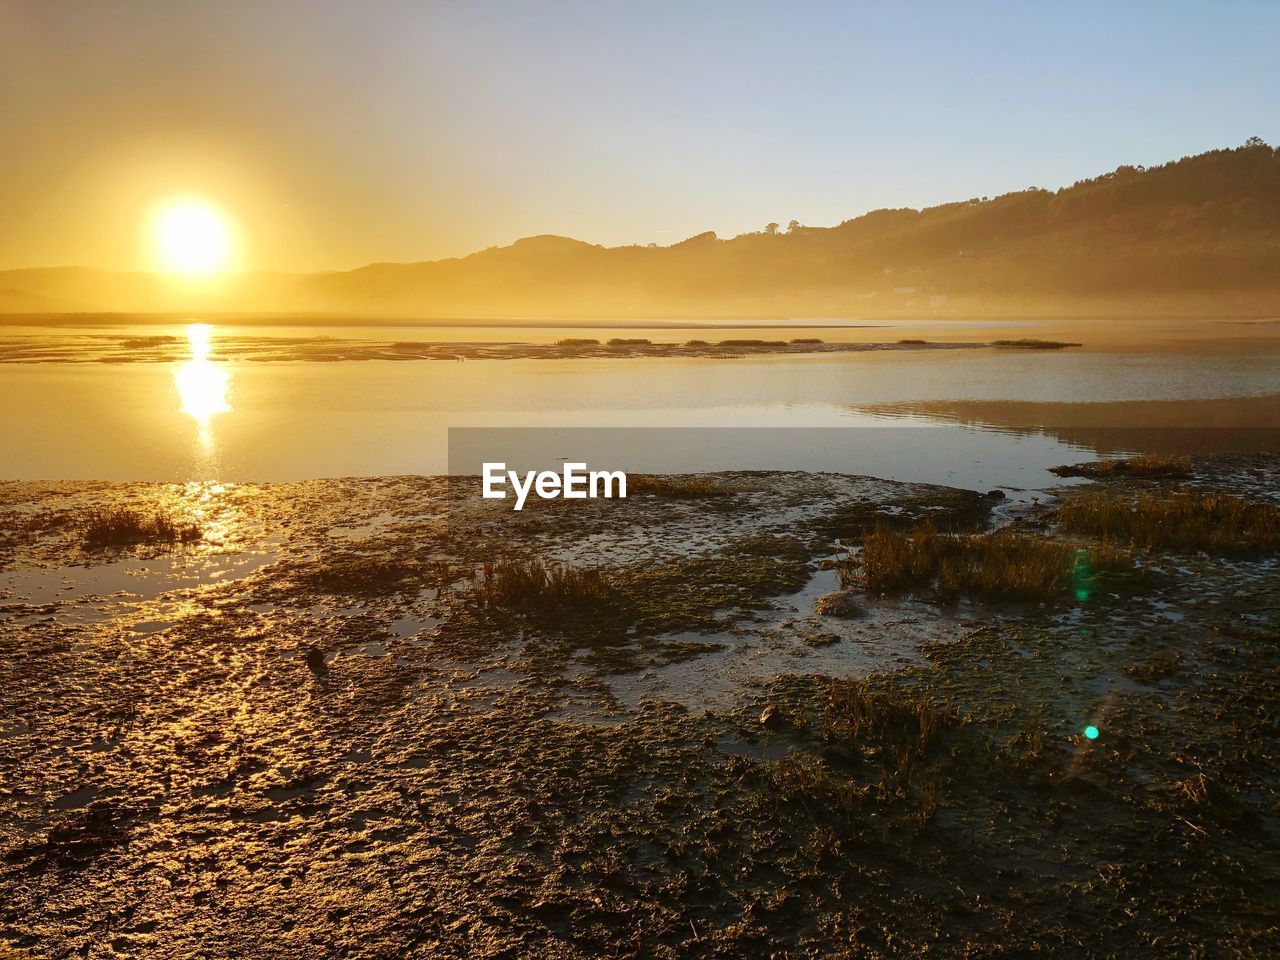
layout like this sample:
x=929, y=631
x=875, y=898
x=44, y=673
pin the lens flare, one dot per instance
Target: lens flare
x=1091, y=732
x=1082, y=575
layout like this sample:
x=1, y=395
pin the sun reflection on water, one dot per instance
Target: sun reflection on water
x=202, y=386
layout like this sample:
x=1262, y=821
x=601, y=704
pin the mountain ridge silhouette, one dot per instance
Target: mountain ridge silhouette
x=1199, y=235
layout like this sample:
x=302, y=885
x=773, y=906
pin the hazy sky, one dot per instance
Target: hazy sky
x=343, y=133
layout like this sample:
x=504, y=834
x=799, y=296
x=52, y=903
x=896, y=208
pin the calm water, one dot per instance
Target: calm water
x=212, y=415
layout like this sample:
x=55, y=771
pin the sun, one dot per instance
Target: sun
x=191, y=237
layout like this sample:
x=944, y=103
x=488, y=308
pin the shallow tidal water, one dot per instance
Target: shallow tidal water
x=237, y=402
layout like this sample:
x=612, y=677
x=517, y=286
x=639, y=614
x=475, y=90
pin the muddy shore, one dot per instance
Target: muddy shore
x=310, y=731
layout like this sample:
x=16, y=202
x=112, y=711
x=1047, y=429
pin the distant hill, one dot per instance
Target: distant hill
x=1199, y=235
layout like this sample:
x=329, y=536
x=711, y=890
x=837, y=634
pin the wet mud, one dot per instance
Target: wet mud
x=312, y=733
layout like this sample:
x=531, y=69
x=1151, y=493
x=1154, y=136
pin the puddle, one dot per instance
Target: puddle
x=412, y=627
x=126, y=580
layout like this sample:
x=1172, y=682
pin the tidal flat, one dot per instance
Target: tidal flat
x=171, y=348
x=386, y=718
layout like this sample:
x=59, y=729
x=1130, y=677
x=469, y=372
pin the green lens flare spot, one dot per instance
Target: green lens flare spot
x=1082, y=575
x=1091, y=732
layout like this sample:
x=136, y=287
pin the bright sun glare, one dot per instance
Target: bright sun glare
x=201, y=383
x=192, y=238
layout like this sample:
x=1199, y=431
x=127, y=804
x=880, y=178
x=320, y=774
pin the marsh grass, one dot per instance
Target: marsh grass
x=904, y=734
x=1002, y=565
x=123, y=527
x=842, y=605
x=533, y=587
x=1024, y=748
x=675, y=487
x=804, y=778
x=1147, y=466
x=578, y=342
x=630, y=342
x=443, y=573
x=906, y=795
x=1213, y=522
x=858, y=714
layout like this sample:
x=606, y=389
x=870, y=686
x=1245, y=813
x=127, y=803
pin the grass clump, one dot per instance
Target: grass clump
x=630, y=342
x=1003, y=565
x=1213, y=522
x=913, y=342
x=857, y=714
x=124, y=527
x=676, y=487
x=1148, y=466
x=806, y=780
x=533, y=587
x=807, y=340
x=843, y=605
x=901, y=733
x=578, y=342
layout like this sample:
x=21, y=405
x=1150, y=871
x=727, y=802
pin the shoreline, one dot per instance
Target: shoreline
x=342, y=714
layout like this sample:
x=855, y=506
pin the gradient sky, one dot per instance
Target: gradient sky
x=344, y=133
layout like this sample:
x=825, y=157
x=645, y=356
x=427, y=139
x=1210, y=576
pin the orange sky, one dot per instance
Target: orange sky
x=339, y=134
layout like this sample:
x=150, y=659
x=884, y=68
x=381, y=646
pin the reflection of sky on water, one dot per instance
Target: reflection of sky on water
x=298, y=420
x=909, y=451
x=225, y=515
